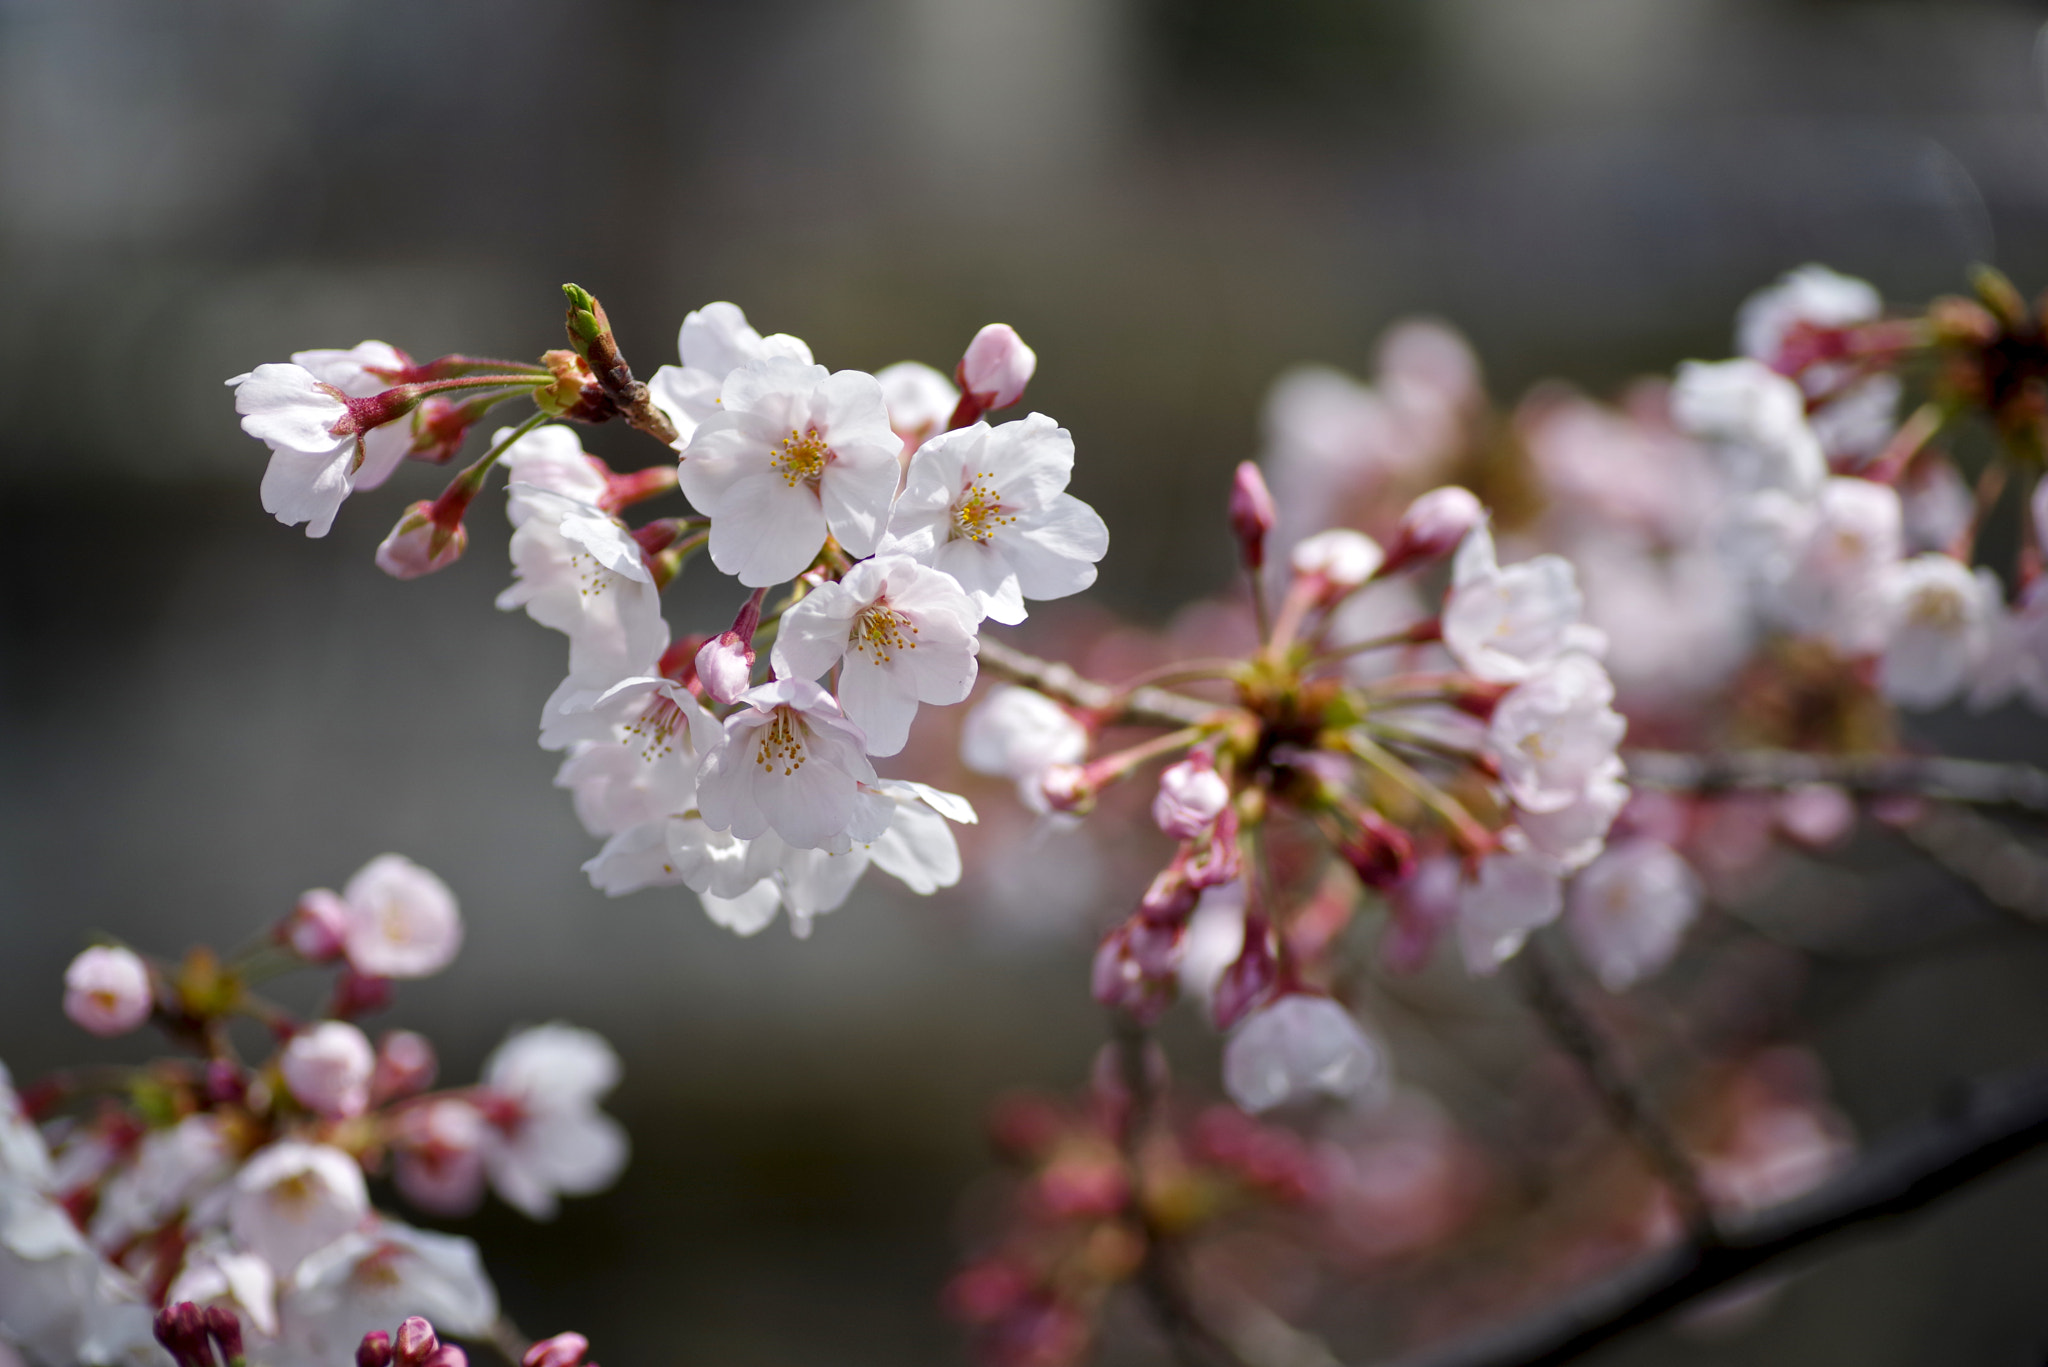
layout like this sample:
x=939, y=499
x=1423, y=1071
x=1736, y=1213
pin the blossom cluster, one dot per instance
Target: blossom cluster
x=237, y=1189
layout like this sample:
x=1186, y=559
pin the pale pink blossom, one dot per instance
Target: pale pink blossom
x=403, y=921
x=1503, y=624
x=1628, y=910
x=1555, y=732
x=1940, y=621
x=1191, y=796
x=363, y=370
x=920, y=400
x=988, y=506
x=107, y=990
x=1018, y=733
x=1341, y=559
x=725, y=666
x=216, y=1273
x=1836, y=587
x=793, y=454
x=578, y=570
x=713, y=342
x=1436, y=524
x=317, y=929
x=996, y=367
x=314, y=448
x=293, y=1198
x=60, y=1302
x=1513, y=895
x=375, y=1277
x=791, y=762
x=1755, y=422
x=900, y=632
x=552, y=458
x=409, y=551
x=328, y=1069
x=172, y=1168
x=1301, y=1046
x=439, y=1155
x=1569, y=837
x=549, y=1138
x=1811, y=295
x=1817, y=815
x=634, y=749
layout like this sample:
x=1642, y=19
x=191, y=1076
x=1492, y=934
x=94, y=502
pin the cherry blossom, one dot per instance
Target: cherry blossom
x=634, y=752
x=1018, y=733
x=328, y=1069
x=920, y=401
x=409, y=551
x=793, y=454
x=1569, y=837
x=61, y=1302
x=1811, y=296
x=713, y=342
x=996, y=367
x=791, y=763
x=292, y=1198
x=1836, y=586
x=542, y=1087
x=365, y=369
x=1301, y=1046
x=1504, y=623
x=577, y=570
x=552, y=457
x=1513, y=894
x=1341, y=559
x=1755, y=421
x=215, y=1273
x=1191, y=796
x=1940, y=619
x=402, y=920
x=1555, y=732
x=107, y=990
x=375, y=1277
x=901, y=633
x=1627, y=911
x=988, y=506
x=440, y=1155
x=172, y=1167
x=313, y=443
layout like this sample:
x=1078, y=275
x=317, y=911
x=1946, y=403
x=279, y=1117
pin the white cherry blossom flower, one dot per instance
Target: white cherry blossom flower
x=552, y=458
x=1755, y=421
x=171, y=1169
x=1191, y=796
x=216, y=1273
x=988, y=505
x=1301, y=1046
x=714, y=341
x=1811, y=295
x=543, y=1085
x=374, y=1278
x=293, y=1198
x=60, y=1302
x=790, y=763
x=1628, y=910
x=578, y=570
x=1571, y=836
x=1018, y=733
x=906, y=634
x=921, y=401
x=1836, y=588
x=1940, y=619
x=327, y=1067
x=1513, y=895
x=1555, y=732
x=313, y=446
x=792, y=455
x=402, y=920
x=636, y=748
x=1503, y=623
x=1341, y=558
x=107, y=990
x=439, y=1149
x=363, y=370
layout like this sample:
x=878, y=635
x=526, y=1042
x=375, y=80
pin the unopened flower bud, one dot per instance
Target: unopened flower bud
x=1120, y=981
x=328, y=1069
x=1191, y=796
x=317, y=929
x=405, y=1066
x=358, y=994
x=225, y=1329
x=414, y=1344
x=1169, y=898
x=418, y=545
x=1434, y=525
x=725, y=666
x=1379, y=852
x=225, y=1083
x=374, y=1350
x=1067, y=787
x=107, y=990
x=181, y=1329
x=1249, y=979
x=1252, y=514
x=996, y=367
x=563, y=1350
x=1337, y=561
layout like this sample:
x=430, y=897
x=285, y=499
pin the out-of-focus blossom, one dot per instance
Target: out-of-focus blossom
x=920, y=401
x=1018, y=733
x=550, y=1138
x=172, y=1168
x=1339, y=560
x=1301, y=1046
x=292, y=1198
x=440, y=1155
x=1502, y=624
x=328, y=1069
x=1811, y=296
x=107, y=990
x=1191, y=796
x=1817, y=815
x=1512, y=895
x=794, y=453
x=1836, y=589
x=1940, y=620
x=1555, y=732
x=375, y=1277
x=1628, y=910
x=402, y=920
x=1251, y=514
x=215, y=1273
x=713, y=342
x=1755, y=422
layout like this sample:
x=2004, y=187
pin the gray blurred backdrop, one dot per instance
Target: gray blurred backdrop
x=202, y=713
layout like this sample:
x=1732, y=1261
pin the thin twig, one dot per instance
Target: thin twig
x=1142, y=706
x=1990, y=1125
x=1979, y=782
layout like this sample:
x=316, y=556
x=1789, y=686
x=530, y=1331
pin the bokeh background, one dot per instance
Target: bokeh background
x=202, y=713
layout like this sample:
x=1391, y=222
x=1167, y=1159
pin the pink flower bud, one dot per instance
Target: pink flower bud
x=1067, y=787
x=447, y=1355
x=415, y=1343
x=374, y=1350
x=1434, y=525
x=1191, y=796
x=725, y=666
x=418, y=545
x=1249, y=980
x=563, y=1350
x=181, y=1329
x=1379, y=852
x=225, y=1329
x=1251, y=514
x=1338, y=561
x=1169, y=898
x=358, y=994
x=405, y=1067
x=996, y=367
x=107, y=990
x=328, y=1069
x=1120, y=981
x=317, y=929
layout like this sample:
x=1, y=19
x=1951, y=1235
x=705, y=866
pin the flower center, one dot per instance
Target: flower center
x=801, y=457
x=1937, y=609
x=655, y=728
x=978, y=515
x=782, y=744
x=881, y=631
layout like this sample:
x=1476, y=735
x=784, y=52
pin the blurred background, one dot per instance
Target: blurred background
x=202, y=713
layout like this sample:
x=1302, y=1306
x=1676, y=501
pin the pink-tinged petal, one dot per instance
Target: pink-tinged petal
x=881, y=701
x=766, y=531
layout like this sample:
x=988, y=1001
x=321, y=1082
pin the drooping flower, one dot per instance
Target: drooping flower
x=713, y=342
x=328, y=1069
x=402, y=920
x=578, y=570
x=107, y=990
x=793, y=454
x=292, y=1198
x=906, y=634
x=988, y=505
x=541, y=1091
x=791, y=762
x=1300, y=1046
x=1504, y=623
x=1628, y=910
x=1018, y=733
x=1940, y=620
x=365, y=369
x=314, y=447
